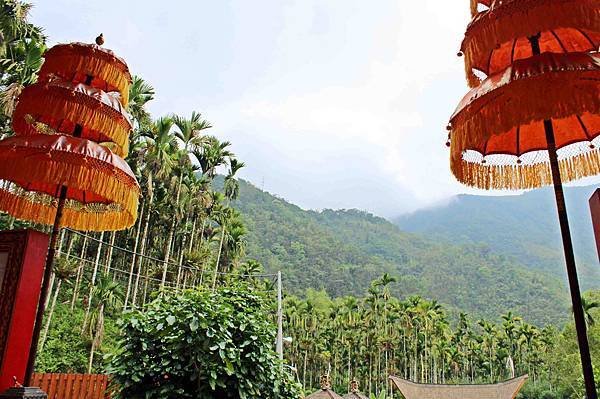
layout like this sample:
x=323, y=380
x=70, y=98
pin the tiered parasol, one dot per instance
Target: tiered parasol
x=63, y=166
x=534, y=120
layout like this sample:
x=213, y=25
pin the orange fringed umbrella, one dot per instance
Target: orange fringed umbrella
x=59, y=107
x=77, y=62
x=535, y=123
x=101, y=190
x=54, y=171
x=498, y=138
x=499, y=36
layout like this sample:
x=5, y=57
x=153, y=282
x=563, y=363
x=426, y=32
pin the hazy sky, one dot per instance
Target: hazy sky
x=331, y=103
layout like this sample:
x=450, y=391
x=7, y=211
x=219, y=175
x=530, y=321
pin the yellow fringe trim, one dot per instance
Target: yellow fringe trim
x=524, y=18
x=93, y=175
x=23, y=209
x=548, y=96
x=65, y=60
x=60, y=103
x=522, y=177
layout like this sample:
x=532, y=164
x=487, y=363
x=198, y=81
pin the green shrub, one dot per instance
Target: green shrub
x=200, y=344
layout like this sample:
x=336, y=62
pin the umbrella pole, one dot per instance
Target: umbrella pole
x=39, y=318
x=584, y=349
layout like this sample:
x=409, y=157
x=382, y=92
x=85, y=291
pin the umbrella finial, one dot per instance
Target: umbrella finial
x=325, y=382
x=100, y=40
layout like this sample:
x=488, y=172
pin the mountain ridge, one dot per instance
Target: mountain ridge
x=524, y=227
x=342, y=251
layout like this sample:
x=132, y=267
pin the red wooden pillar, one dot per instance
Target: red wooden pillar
x=595, y=209
x=22, y=258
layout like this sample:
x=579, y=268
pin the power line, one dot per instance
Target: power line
x=202, y=271
x=168, y=284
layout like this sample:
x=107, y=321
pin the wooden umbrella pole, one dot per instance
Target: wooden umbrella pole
x=584, y=349
x=39, y=317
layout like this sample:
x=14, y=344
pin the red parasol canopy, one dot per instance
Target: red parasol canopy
x=58, y=107
x=102, y=192
x=78, y=62
x=499, y=36
x=499, y=125
x=535, y=120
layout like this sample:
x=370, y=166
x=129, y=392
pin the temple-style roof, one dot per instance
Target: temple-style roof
x=503, y=390
x=325, y=392
x=354, y=392
x=355, y=395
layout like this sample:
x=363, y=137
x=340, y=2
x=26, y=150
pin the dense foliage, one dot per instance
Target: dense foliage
x=194, y=231
x=342, y=251
x=524, y=227
x=202, y=344
x=372, y=337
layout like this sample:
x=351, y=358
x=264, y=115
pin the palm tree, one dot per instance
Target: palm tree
x=140, y=93
x=588, y=307
x=64, y=270
x=14, y=25
x=160, y=150
x=189, y=132
x=23, y=67
x=108, y=295
x=212, y=154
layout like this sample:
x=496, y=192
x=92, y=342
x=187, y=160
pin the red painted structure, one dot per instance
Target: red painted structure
x=595, y=209
x=22, y=258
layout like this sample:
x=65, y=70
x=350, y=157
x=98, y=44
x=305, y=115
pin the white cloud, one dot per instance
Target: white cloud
x=332, y=103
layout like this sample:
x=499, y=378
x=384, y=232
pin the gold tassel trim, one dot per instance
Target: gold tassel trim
x=66, y=60
x=59, y=103
x=523, y=177
x=78, y=173
x=524, y=18
x=547, y=96
x=23, y=209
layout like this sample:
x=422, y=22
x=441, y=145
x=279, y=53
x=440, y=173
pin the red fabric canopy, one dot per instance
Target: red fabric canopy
x=500, y=123
x=78, y=62
x=499, y=36
x=58, y=106
x=102, y=190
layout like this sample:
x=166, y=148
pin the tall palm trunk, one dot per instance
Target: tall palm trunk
x=79, y=272
x=50, y=313
x=93, y=281
x=171, y=233
x=134, y=257
x=180, y=261
x=142, y=252
x=214, y=286
x=97, y=337
x=192, y=236
x=111, y=247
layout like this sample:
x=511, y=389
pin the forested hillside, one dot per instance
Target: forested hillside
x=342, y=251
x=525, y=227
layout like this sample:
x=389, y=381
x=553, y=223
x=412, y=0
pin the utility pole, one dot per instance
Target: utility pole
x=279, y=343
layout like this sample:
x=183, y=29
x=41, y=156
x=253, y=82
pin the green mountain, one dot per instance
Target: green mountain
x=342, y=251
x=523, y=227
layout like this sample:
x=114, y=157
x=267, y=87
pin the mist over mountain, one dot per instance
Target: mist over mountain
x=523, y=227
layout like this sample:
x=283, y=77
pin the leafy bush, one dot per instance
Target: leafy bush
x=199, y=344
